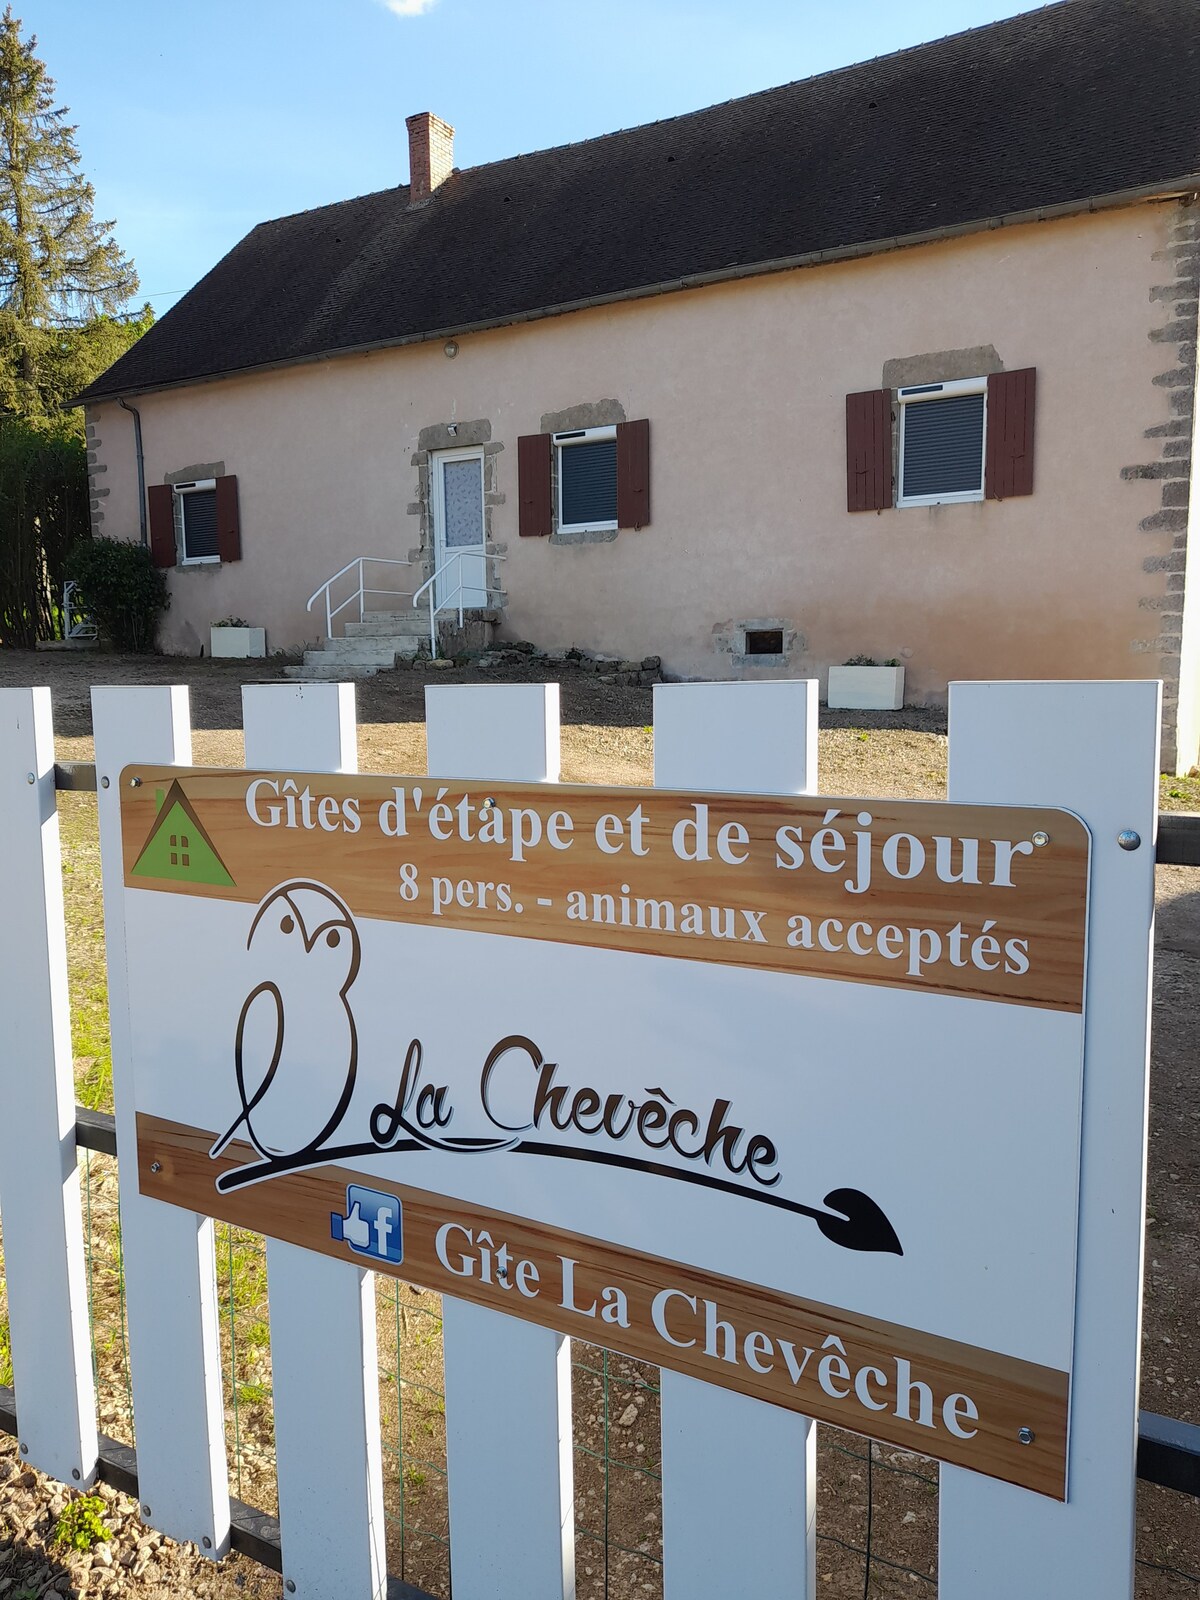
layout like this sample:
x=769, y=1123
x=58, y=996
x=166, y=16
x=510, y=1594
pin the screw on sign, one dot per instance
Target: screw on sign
x=317, y=892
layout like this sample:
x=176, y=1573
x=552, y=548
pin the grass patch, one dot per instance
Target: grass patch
x=86, y=974
x=1179, y=794
x=81, y=1525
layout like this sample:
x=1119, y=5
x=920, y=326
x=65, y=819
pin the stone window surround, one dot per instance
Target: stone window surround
x=729, y=638
x=198, y=470
x=932, y=366
x=591, y=414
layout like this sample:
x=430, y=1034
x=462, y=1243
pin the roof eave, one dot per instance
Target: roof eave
x=1171, y=189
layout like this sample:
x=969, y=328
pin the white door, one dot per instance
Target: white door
x=458, y=538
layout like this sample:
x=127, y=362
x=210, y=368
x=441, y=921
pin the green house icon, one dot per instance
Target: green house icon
x=179, y=848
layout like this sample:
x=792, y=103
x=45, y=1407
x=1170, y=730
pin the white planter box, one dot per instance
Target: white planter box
x=866, y=688
x=238, y=643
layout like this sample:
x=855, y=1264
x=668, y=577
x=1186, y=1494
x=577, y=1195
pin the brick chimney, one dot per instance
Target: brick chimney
x=430, y=155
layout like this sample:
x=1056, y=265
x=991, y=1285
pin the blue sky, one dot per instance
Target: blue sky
x=199, y=118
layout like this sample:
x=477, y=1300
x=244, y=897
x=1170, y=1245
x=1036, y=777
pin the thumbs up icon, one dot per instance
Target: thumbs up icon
x=355, y=1230
x=378, y=1234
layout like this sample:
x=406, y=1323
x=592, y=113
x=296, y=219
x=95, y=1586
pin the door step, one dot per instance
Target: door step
x=383, y=637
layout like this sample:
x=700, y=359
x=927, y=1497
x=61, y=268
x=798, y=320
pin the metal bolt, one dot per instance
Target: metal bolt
x=104, y=783
x=206, y=1542
x=1026, y=1435
x=24, y=1449
x=1040, y=838
x=146, y=1511
x=135, y=783
x=156, y=1166
x=1129, y=840
x=487, y=804
x=290, y=1586
x=30, y=778
x=76, y=1474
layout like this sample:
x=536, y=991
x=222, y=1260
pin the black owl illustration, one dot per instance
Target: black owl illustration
x=296, y=1046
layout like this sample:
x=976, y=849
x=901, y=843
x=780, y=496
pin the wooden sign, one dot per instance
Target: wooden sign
x=894, y=892
x=739, y=1085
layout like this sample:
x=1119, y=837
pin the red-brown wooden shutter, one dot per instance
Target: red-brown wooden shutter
x=1009, y=453
x=160, y=497
x=869, y=450
x=534, y=510
x=229, y=529
x=633, y=474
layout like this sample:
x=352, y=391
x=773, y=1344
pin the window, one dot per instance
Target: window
x=942, y=433
x=584, y=481
x=764, y=642
x=196, y=521
x=970, y=439
x=585, y=460
x=194, y=524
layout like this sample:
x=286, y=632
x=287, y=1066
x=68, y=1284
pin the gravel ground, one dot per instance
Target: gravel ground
x=607, y=738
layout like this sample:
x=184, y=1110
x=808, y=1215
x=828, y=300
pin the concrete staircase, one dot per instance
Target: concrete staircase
x=369, y=646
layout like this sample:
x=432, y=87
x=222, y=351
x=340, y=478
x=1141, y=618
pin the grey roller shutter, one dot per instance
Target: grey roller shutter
x=200, y=525
x=589, y=483
x=943, y=446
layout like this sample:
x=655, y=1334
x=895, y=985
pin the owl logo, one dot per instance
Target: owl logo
x=296, y=1046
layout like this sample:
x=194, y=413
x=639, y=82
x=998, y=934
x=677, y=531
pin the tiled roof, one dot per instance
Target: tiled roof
x=1085, y=99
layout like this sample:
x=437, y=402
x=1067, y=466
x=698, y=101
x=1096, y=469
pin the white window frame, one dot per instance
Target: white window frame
x=563, y=441
x=180, y=490
x=918, y=394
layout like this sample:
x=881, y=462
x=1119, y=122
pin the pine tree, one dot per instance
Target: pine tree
x=63, y=278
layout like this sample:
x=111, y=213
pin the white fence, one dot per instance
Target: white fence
x=730, y=1465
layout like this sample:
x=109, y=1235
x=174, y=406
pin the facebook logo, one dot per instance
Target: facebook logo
x=371, y=1226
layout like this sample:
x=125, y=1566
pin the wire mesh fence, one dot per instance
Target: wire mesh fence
x=877, y=1508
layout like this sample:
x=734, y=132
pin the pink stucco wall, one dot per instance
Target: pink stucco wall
x=744, y=386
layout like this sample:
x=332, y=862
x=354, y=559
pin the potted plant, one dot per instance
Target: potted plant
x=235, y=639
x=863, y=684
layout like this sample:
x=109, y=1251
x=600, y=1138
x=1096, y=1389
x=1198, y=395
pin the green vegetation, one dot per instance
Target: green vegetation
x=64, y=284
x=6, y=1372
x=122, y=588
x=81, y=1526
x=64, y=279
x=43, y=512
x=1180, y=794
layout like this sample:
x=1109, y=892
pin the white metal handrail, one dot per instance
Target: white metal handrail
x=77, y=622
x=436, y=605
x=359, y=594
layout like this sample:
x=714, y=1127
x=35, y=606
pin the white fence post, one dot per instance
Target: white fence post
x=170, y=1272
x=508, y=1383
x=324, y=1355
x=730, y=1461
x=39, y=1173
x=1091, y=747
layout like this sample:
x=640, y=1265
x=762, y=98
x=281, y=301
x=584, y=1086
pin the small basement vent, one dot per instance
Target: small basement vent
x=764, y=642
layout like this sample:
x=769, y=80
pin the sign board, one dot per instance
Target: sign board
x=781, y=1093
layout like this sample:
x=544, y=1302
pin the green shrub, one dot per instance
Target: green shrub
x=80, y=1527
x=43, y=511
x=122, y=589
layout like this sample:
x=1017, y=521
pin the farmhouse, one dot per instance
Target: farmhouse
x=895, y=361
